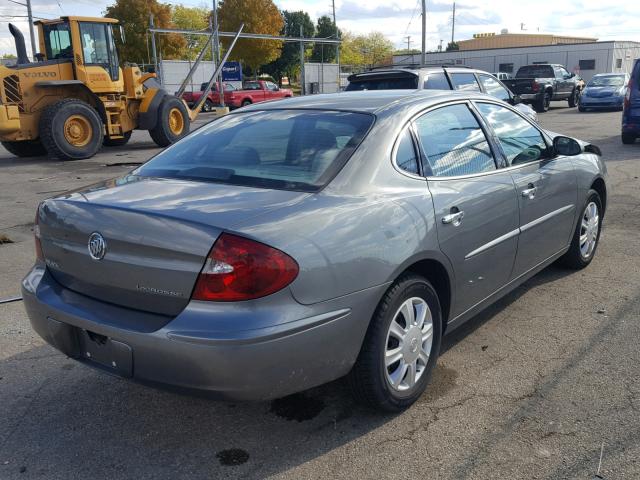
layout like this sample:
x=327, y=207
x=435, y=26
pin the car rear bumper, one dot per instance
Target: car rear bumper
x=315, y=345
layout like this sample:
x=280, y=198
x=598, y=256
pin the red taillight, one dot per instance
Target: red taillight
x=535, y=86
x=36, y=236
x=241, y=269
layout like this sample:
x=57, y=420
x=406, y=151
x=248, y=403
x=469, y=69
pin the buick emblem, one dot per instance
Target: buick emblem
x=97, y=246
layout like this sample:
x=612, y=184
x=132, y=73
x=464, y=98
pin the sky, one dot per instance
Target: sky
x=399, y=19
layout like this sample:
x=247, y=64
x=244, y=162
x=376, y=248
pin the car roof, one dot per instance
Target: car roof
x=415, y=70
x=371, y=101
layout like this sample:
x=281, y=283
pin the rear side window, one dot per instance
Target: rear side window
x=281, y=149
x=465, y=81
x=437, y=81
x=535, y=71
x=406, y=157
x=453, y=142
x=520, y=141
x=383, y=83
x=494, y=88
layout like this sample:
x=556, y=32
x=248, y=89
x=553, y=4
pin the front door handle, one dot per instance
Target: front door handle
x=530, y=192
x=454, y=218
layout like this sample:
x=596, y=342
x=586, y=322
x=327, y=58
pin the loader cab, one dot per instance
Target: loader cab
x=87, y=42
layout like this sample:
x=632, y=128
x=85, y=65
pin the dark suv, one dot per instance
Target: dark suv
x=437, y=78
x=631, y=107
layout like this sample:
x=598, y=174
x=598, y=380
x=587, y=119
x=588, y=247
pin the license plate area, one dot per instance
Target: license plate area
x=109, y=354
x=98, y=350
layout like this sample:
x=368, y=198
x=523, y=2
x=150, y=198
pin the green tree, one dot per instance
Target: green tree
x=134, y=17
x=365, y=50
x=259, y=16
x=452, y=46
x=8, y=56
x=288, y=63
x=325, y=29
x=193, y=18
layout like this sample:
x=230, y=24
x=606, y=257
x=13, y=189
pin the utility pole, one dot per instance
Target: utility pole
x=333, y=7
x=453, y=24
x=423, y=56
x=408, y=37
x=33, y=37
x=302, y=81
x=30, y=19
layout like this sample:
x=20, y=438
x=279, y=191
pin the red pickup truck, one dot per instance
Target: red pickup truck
x=213, y=98
x=254, y=91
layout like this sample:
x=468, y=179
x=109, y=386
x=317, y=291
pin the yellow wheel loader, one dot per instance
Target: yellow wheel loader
x=76, y=97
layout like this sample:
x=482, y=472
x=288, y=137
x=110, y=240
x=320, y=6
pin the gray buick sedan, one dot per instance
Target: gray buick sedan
x=292, y=243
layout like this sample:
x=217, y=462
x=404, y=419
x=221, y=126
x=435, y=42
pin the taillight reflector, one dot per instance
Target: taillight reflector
x=241, y=269
x=36, y=235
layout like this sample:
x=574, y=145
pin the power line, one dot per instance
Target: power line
x=412, y=15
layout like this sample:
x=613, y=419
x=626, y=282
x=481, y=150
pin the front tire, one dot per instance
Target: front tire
x=400, y=348
x=71, y=130
x=173, y=122
x=26, y=148
x=628, y=138
x=573, y=99
x=586, y=235
x=208, y=106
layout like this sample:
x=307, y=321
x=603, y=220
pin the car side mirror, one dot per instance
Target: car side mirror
x=515, y=100
x=567, y=147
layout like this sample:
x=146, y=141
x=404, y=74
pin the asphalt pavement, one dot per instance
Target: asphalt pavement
x=536, y=387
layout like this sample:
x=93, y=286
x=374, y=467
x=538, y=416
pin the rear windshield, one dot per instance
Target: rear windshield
x=384, y=83
x=535, y=71
x=281, y=149
x=607, y=81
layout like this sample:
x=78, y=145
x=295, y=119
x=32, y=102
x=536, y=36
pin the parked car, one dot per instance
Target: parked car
x=213, y=99
x=437, y=78
x=257, y=91
x=605, y=90
x=538, y=85
x=631, y=107
x=502, y=75
x=288, y=244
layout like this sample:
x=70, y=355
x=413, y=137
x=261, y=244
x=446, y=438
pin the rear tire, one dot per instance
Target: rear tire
x=26, y=148
x=573, y=99
x=246, y=102
x=117, y=142
x=586, y=236
x=542, y=105
x=173, y=122
x=71, y=130
x=375, y=371
x=208, y=106
x=628, y=138
x=582, y=109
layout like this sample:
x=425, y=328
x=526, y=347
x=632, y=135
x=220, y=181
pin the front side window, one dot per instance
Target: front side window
x=95, y=44
x=494, y=88
x=520, y=141
x=280, y=149
x=406, y=157
x=465, y=81
x=453, y=142
x=437, y=81
x=57, y=40
x=272, y=86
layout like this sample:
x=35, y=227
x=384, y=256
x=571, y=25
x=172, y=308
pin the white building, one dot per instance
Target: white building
x=584, y=59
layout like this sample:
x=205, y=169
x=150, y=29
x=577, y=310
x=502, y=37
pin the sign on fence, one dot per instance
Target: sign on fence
x=232, y=72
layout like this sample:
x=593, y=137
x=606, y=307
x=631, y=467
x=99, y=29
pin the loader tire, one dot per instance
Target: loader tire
x=26, y=148
x=173, y=122
x=71, y=130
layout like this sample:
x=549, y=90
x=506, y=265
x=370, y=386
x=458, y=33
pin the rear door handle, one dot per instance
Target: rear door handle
x=529, y=193
x=454, y=218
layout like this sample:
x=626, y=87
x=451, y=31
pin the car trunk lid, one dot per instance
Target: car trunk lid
x=156, y=234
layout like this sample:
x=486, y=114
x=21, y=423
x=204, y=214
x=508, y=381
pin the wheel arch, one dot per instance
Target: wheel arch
x=437, y=270
x=77, y=89
x=599, y=186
